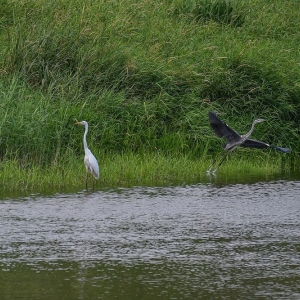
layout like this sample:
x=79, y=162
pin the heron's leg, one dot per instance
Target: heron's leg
x=221, y=161
x=86, y=181
x=215, y=160
x=212, y=164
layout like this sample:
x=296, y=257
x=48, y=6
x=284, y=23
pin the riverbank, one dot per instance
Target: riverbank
x=136, y=170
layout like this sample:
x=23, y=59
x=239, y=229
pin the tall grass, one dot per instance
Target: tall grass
x=144, y=75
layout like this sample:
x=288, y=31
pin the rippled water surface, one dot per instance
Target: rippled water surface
x=203, y=241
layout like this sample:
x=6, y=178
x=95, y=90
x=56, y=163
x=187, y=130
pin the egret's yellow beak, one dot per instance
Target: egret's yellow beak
x=78, y=123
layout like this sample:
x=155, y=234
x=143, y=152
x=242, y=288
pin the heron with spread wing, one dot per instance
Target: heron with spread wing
x=234, y=139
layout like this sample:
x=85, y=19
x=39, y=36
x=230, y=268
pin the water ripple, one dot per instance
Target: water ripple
x=151, y=223
x=202, y=236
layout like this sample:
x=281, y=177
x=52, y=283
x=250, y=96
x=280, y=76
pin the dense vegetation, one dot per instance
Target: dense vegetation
x=144, y=74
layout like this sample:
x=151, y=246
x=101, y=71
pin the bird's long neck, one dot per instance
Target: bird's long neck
x=251, y=130
x=84, y=137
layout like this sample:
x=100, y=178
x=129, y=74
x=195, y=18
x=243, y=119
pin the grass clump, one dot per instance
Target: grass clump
x=6, y=14
x=220, y=11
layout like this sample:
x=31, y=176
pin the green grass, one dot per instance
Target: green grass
x=144, y=75
x=129, y=169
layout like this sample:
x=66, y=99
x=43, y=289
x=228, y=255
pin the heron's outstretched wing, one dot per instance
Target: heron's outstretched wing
x=221, y=129
x=249, y=143
x=285, y=150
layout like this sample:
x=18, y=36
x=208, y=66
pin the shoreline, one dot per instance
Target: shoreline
x=124, y=170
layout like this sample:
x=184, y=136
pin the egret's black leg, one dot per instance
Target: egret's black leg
x=86, y=181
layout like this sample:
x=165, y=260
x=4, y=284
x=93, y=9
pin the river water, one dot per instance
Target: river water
x=218, y=239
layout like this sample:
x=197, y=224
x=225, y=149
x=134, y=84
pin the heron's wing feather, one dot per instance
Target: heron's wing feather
x=284, y=150
x=249, y=143
x=221, y=129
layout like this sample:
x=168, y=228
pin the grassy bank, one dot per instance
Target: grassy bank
x=123, y=170
x=144, y=75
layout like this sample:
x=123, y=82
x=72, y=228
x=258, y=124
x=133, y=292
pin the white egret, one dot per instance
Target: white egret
x=90, y=161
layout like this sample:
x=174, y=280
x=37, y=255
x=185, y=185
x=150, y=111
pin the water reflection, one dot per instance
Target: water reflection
x=196, y=241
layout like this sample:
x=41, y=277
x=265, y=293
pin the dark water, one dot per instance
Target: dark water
x=214, y=240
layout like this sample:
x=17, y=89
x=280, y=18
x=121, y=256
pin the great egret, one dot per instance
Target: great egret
x=90, y=161
x=234, y=140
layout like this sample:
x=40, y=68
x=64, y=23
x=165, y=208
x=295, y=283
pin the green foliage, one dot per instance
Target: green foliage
x=6, y=14
x=144, y=75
